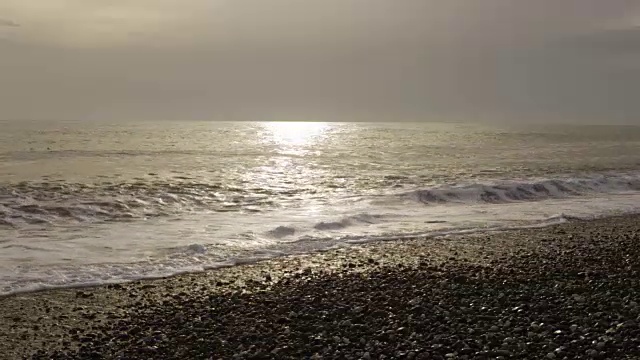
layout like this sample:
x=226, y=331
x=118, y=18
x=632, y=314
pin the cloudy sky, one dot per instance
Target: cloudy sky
x=435, y=60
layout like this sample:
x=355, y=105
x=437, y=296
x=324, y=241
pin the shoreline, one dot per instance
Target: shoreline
x=242, y=262
x=83, y=322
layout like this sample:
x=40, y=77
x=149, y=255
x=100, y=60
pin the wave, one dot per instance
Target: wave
x=59, y=203
x=327, y=225
x=347, y=221
x=51, y=203
x=281, y=232
x=518, y=191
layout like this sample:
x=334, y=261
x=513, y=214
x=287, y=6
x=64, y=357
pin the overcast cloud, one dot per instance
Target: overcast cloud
x=433, y=60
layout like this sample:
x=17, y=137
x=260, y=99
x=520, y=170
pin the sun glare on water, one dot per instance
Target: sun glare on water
x=288, y=143
x=295, y=133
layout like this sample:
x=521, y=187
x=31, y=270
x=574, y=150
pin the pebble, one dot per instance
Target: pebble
x=592, y=353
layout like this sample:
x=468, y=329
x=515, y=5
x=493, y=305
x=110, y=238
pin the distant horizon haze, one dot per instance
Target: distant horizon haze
x=531, y=61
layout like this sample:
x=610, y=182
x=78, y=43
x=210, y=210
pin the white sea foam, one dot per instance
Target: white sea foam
x=197, y=258
x=197, y=243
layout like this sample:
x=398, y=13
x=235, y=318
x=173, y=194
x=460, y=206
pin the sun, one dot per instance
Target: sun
x=297, y=133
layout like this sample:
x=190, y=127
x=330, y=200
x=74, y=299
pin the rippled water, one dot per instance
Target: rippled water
x=93, y=202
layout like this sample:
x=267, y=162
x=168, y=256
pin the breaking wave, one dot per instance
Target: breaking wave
x=284, y=231
x=347, y=221
x=52, y=203
x=55, y=203
x=518, y=191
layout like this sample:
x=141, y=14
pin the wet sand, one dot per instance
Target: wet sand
x=569, y=291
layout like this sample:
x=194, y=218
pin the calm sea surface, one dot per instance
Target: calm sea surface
x=88, y=203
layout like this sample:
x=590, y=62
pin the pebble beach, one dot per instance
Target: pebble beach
x=568, y=291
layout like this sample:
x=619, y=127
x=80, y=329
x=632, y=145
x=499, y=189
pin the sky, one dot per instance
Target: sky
x=328, y=60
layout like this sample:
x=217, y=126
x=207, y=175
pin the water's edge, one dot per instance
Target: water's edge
x=244, y=262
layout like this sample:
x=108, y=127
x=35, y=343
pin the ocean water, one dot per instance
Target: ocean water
x=88, y=203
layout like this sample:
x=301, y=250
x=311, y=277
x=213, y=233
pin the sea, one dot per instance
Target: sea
x=87, y=203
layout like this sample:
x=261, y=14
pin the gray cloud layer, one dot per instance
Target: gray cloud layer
x=533, y=60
